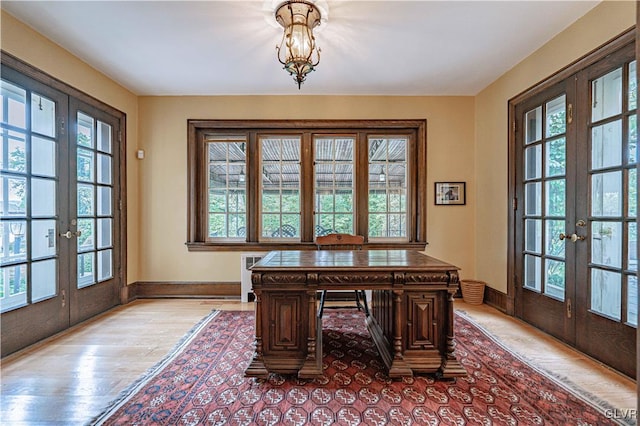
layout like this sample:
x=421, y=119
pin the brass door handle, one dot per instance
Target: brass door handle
x=573, y=237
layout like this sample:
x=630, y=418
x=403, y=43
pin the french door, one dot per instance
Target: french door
x=60, y=225
x=576, y=192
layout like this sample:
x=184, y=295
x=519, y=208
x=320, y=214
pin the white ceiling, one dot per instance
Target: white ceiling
x=368, y=47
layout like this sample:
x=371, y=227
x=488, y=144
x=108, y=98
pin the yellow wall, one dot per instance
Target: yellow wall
x=467, y=141
x=603, y=23
x=29, y=46
x=163, y=131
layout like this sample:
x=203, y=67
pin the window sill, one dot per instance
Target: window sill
x=295, y=246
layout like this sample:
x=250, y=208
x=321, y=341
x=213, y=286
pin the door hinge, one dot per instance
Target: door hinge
x=514, y=203
x=62, y=130
x=514, y=126
x=570, y=114
x=119, y=135
x=120, y=205
x=568, y=308
x=64, y=298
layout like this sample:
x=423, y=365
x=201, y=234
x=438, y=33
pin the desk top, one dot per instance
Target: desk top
x=341, y=260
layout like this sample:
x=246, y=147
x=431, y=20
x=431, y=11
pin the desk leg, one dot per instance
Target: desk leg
x=257, y=367
x=399, y=367
x=312, y=366
x=451, y=367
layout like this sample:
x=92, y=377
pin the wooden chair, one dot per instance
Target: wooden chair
x=342, y=242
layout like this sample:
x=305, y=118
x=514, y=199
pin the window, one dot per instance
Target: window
x=263, y=185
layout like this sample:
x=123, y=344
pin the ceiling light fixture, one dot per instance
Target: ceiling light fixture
x=297, y=50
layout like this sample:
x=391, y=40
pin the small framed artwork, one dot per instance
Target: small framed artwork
x=451, y=193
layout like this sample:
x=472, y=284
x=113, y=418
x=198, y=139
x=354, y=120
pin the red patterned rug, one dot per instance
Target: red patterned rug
x=201, y=383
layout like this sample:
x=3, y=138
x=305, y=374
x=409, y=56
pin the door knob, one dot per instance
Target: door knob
x=573, y=237
x=67, y=235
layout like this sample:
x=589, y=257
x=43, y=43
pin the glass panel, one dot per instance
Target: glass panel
x=16, y=160
x=554, y=278
x=606, y=95
x=270, y=224
x=606, y=145
x=632, y=300
x=13, y=286
x=633, y=86
x=104, y=201
x=14, y=243
x=43, y=157
x=104, y=169
x=43, y=279
x=85, y=130
x=532, y=266
x=105, y=265
x=533, y=125
x=43, y=238
x=606, y=243
x=554, y=246
x=85, y=165
x=217, y=225
x=606, y=293
x=104, y=137
x=632, y=247
x=533, y=235
x=16, y=202
x=86, y=200
x=86, y=269
x=533, y=199
x=86, y=240
x=633, y=139
x=606, y=194
x=104, y=233
x=43, y=115
x=555, y=194
x=15, y=99
x=556, y=114
x=555, y=156
x=43, y=197
x=632, y=200
x=533, y=162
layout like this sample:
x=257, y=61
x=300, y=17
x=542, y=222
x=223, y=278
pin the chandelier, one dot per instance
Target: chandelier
x=297, y=50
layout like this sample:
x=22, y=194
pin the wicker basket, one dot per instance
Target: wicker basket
x=472, y=291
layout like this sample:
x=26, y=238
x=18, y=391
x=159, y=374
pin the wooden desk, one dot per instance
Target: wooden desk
x=411, y=317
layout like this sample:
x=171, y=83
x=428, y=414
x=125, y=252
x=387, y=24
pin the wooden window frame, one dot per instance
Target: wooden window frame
x=197, y=208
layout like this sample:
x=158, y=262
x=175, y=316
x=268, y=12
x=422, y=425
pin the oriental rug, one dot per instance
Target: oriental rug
x=202, y=383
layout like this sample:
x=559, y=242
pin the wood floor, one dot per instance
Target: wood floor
x=71, y=377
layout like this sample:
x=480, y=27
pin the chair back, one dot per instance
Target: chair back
x=339, y=242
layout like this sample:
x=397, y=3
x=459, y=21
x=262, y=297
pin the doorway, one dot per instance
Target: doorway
x=61, y=224
x=575, y=208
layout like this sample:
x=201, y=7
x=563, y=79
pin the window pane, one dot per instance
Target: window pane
x=14, y=243
x=533, y=235
x=556, y=161
x=606, y=243
x=606, y=194
x=387, y=187
x=43, y=115
x=533, y=125
x=606, y=95
x=632, y=189
x=43, y=157
x=555, y=246
x=606, y=292
x=43, y=279
x=13, y=287
x=555, y=193
x=632, y=300
x=43, y=238
x=633, y=139
x=606, y=145
x=532, y=266
x=86, y=269
x=633, y=86
x=16, y=202
x=104, y=137
x=43, y=197
x=632, y=256
x=554, y=278
x=85, y=130
x=14, y=158
x=556, y=113
x=533, y=199
x=15, y=99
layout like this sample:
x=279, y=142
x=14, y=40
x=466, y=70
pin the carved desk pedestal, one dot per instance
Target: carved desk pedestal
x=411, y=318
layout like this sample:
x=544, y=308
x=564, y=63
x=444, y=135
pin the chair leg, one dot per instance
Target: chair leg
x=322, y=297
x=362, y=306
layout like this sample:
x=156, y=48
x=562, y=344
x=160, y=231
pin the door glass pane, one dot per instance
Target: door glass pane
x=86, y=240
x=14, y=243
x=14, y=105
x=13, y=287
x=555, y=246
x=43, y=157
x=606, y=292
x=85, y=165
x=532, y=268
x=606, y=145
x=606, y=95
x=16, y=202
x=632, y=189
x=606, y=243
x=14, y=158
x=632, y=300
x=43, y=197
x=555, y=157
x=632, y=247
x=533, y=162
x=555, y=117
x=86, y=269
x=104, y=169
x=85, y=130
x=533, y=235
x=104, y=137
x=606, y=194
x=86, y=200
x=554, y=278
x=555, y=193
x=533, y=199
x=105, y=264
x=43, y=238
x=533, y=125
x=633, y=86
x=44, y=279
x=104, y=233
x=633, y=139
x=43, y=115
x=104, y=201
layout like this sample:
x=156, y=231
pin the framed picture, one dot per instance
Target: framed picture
x=451, y=193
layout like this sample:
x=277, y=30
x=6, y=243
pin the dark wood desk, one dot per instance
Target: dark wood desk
x=411, y=317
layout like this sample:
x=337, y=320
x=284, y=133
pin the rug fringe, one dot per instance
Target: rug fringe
x=587, y=397
x=143, y=380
